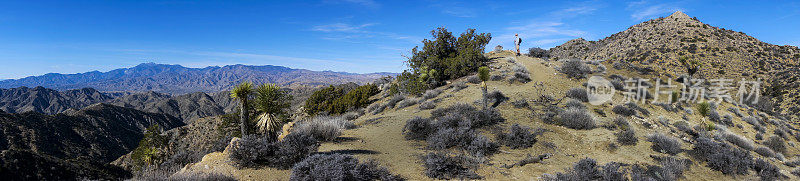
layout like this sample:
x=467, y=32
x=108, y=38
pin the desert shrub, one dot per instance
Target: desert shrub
x=550, y=114
x=683, y=126
x=427, y=105
x=495, y=97
x=776, y=144
x=722, y=157
x=664, y=144
x=618, y=84
x=623, y=110
x=459, y=86
x=430, y=94
x=575, y=68
x=376, y=108
x=474, y=79
x=418, y=128
x=740, y=141
x=469, y=116
x=587, y=169
x=600, y=68
x=634, y=106
x=195, y=176
x=759, y=136
x=522, y=77
x=780, y=133
x=538, y=52
x=766, y=171
x=497, y=77
x=577, y=118
x=794, y=162
x=443, y=166
x=517, y=137
x=450, y=137
x=672, y=168
x=521, y=103
x=338, y=100
x=574, y=103
x=408, y=102
x=394, y=100
x=352, y=115
x=481, y=146
x=735, y=111
x=324, y=128
x=666, y=107
x=764, y=151
x=627, y=137
x=339, y=167
x=714, y=116
x=252, y=151
x=578, y=93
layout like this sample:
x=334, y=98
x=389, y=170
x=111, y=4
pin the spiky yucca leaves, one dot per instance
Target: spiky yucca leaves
x=269, y=125
x=271, y=99
x=272, y=103
x=242, y=92
x=704, y=108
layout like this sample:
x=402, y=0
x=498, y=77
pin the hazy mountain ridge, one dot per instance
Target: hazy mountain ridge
x=176, y=79
x=48, y=101
x=654, y=47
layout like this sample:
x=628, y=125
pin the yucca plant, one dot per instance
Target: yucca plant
x=242, y=93
x=272, y=103
x=483, y=74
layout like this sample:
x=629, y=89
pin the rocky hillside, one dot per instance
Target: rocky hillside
x=187, y=107
x=99, y=133
x=48, y=101
x=176, y=79
x=654, y=48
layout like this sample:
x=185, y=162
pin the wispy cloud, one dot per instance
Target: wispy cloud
x=342, y=27
x=461, y=12
x=363, y=3
x=646, y=10
x=366, y=3
x=549, y=28
x=357, y=33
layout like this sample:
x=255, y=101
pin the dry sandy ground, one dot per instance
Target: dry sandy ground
x=380, y=138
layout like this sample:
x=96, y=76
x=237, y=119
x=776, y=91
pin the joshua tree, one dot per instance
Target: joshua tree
x=242, y=92
x=691, y=65
x=704, y=108
x=483, y=74
x=272, y=102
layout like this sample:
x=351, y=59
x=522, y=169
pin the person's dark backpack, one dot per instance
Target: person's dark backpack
x=520, y=40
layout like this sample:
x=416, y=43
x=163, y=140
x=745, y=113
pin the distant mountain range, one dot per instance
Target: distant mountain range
x=176, y=79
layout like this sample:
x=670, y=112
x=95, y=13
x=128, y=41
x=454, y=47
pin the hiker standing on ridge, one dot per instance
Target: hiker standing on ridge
x=517, y=42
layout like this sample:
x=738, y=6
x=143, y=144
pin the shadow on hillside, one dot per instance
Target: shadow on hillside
x=345, y=139
x=351, y=152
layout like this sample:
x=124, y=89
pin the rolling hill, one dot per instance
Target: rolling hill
x=654, y=48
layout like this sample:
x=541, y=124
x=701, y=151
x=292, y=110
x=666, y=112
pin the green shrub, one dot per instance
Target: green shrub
x=451, y=57
x=334, y=100
x=151, y=148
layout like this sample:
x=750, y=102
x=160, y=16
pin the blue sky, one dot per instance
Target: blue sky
x=38, y=37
